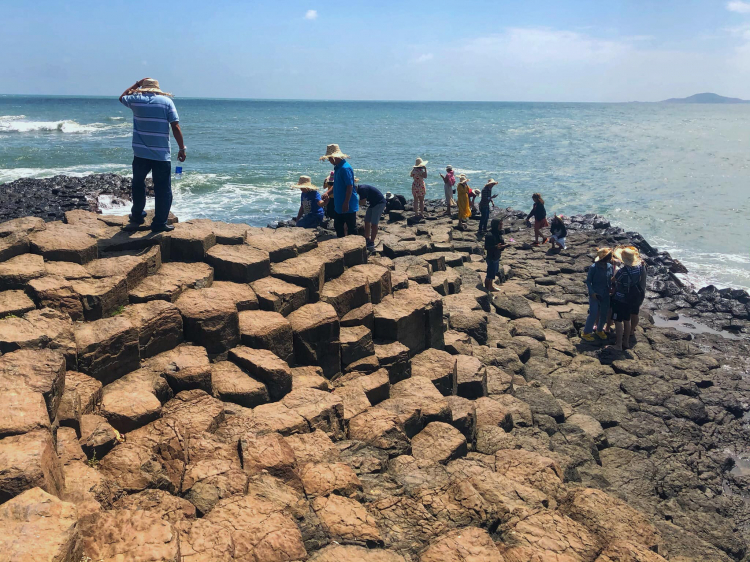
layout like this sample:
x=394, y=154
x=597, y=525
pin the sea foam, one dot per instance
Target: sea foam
x=17, y=124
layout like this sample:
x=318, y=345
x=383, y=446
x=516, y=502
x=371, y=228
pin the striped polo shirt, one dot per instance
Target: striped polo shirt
x=152, y=114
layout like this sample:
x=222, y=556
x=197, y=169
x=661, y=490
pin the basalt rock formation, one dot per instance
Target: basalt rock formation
x=224, y=392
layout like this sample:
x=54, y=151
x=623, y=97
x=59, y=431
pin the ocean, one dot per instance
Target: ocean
x=678, y=174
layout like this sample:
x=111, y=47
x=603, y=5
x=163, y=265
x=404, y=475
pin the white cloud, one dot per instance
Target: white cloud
x=739, y=7
x=424, y=58
x=311, y=15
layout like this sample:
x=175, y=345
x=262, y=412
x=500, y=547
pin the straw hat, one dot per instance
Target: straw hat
x=152, y=86
x=463, y=179
x=305, y=182
x=477, y=192
x=420, y=163
x=492, y=182
x=602, y=253
x=333, y=151
x=629, y=255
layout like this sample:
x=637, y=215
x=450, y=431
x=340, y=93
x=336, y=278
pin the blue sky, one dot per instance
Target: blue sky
x=420, y=50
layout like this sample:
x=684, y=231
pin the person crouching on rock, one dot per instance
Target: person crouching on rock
x=154, y=114
x=558, y=232
x=599, y=283
x=540, y=218
x=464, y=209
x=311, y=212
x=628, y=295
x=346, y=200
x=418, y=188
x=375, y=207
x=494, y=244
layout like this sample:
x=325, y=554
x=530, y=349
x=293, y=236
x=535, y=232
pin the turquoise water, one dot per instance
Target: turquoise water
x=678, y=174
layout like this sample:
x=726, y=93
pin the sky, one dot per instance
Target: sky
x=472, y=50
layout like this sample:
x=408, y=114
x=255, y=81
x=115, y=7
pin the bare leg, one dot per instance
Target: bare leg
x=626, y=330
x=634, y=318
x=618, y=335
x=367, y=230
x=373, y=232
x=537, y=234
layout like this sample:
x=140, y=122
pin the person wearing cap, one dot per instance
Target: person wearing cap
x=484, y=204
x=310, y=213
x=418, y=188
x=628, y=294
x=464, y=209
x=154, y=113
x=346, y=200
x=375, y=207
x=599, y=283
x=449, y=180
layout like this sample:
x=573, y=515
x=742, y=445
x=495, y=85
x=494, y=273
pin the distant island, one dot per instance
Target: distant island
x=705, y=98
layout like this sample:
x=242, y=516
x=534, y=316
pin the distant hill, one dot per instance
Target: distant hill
x=705, y=98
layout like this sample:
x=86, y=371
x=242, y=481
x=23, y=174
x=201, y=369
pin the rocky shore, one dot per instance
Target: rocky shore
x=224, y=392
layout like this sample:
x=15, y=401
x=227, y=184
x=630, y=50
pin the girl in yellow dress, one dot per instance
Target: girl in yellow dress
x=464, y=209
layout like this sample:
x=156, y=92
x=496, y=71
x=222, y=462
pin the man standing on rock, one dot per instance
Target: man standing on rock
x=153, y=114
x=345, y=198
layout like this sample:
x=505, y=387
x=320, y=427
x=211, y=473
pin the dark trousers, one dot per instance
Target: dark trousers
x=345, y=219
x=161, y=172
x=484, y=217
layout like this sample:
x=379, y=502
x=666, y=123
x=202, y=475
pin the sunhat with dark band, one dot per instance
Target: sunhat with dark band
x=629, y=255
x=602, y=253
x=333, y=151
x=491, y=182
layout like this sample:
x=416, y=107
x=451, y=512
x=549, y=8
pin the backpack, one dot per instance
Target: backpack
x=634, y=295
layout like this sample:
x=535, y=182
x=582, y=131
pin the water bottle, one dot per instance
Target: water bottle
x=178, y=173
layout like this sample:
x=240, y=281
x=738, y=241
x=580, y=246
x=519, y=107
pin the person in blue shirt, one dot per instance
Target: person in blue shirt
x=154, y=114
x=599, y=284
x=345, y=198
x=375, y=207
x=311, y=212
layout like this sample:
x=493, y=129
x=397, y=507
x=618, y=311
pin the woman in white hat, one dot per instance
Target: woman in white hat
x=464, y=209
x=628, y=295
x=311, y=212
x=418, y=188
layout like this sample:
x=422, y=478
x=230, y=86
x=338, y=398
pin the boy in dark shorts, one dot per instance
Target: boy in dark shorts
x=494, y=244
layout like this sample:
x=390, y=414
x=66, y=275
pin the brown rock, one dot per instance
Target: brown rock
x=171, y=280
x=549, y=536
x=18, y=271
x=262, y=329
x=438, y=442
x=39, y=329
x=107, y=348
x=322, y=410
x=40, y=371
x=241, y=293
x=316, y=337
x=394, y=358
x=313, y=447
x=323, y=479
x=412, y=316
x=68, y=448
x=309, y=377
x=272, y=453
x=15, y=303
x=195, y=410
x=376, y=386
x=346, y=292
x=169, y=507
x=469, y=544
x=134, y=400
x=345, y=519
x=159, y=326
x=210, y=319
x=381, y=429
x=97, y=436
x=354, y=400
x=354, y=249
x=425, y=396
x=351, y=553
x=625, y=551
x=24, y=411
x=21, y=225
x=81, y=396
x=64, y=242
x=232, y=384
x=190, y=242
x=279, y=247
x=493, y=414
x=463, y=416
x=133, y=268
x=356, y=344
x=531, y=469
x=88, y=489
x=239, y=263
x=277, y=417
x=471, y=377
x=520, y=411
x=66, y=270
x=37, y=526
x=265, y=366
x=439, y=367
x=27, y=461
x=225, y=232
x=362, y=316
x=101, y=297
x=368, y=364
x=129, y=534
x=12, y=245
x=57, y=293
x=378, y=277
x=276, y=295
x=185, y=367
x=202, y=540
x=306, y=271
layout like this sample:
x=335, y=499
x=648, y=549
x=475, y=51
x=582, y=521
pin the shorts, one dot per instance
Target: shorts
x=348, y=220
x=621, y=311
x=373, y=213
x=560, y=241
x=493, y=269
x=538, y=225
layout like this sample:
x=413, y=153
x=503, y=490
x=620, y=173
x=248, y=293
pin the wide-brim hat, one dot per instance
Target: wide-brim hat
x=477, y=192
x=491, y=182
x=150, y=85
x=333, y=151
x=304, y=182
x=388, y=195
x=420, y=163
x=629, y=255
x=602, y=253
x=463, y=179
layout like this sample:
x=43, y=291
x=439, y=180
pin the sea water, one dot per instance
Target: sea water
x=678, y=174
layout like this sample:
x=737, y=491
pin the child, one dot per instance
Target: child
x=540, y=218
x=494, y=244
x=418, y=189
x=311, y=212
x=558, y=232
x=449, y=180
x=484, y=204
x=599, y=283
x=464, y=210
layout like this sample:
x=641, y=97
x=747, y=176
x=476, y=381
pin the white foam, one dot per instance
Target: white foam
x=13, y=174
x=17, y=124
